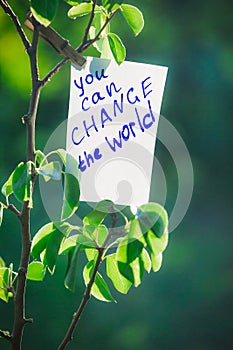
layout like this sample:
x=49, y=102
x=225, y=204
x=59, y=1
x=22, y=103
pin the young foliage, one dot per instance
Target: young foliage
x=82, y=9
x=120, y=283
x=109, y=44
x=72, y=267
x=19, y=183
x=71, y=196
x=7, y=187
x=100, y=289
x=7, y=277
x=47, y=241
x=36, y=271
x=117, y=47
x=44, y=11
x=133, y=17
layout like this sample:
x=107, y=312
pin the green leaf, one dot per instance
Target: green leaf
x=126, y=271
x=2, y=262
x=129, y=260
x=41, y=238
x=21, y=182
x=71, y=196
x=82, y=10
x=36, y=271
x=62, y=154
x=156, y=261
x=153, y=216
x=135, y=231
x=40, y=158
x=133, y=17
x=91, y=254
x=133, y=271
x=111, y=5
x=50, y=170
x=105, y=206
x=4, y=283
x=100, y=289
x=134, y=250
x=96, y=216
x=67, y=244
x=106, y=3
x=97, y=234
x=97, y=24
x=106, y=51
x=155, y=244
x=120, y=282
x=72, y=3
x=102, y=234
x=53, y=245
x=1, y=214
x=117, y=47
x=145, y=258
x=138, y=269
x=44, y=11
x=52, y=249
x=127, y=251
x=86, y=241
x=71, y=272
x=7, y=187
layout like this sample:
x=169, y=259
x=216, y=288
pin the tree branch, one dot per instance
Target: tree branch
x=87, y=294
x=14, y=210
x=86, y=297
x=30, y=120
x=5, y=334
x=89, y=22
x=8, y=10
x=53, y=71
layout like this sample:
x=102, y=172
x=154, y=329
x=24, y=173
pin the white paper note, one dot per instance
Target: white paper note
x=112, y=124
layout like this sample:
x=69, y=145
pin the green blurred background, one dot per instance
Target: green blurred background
x=188, y=303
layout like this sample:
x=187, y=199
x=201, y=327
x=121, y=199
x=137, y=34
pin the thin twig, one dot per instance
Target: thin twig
x=33, y=52
x=14, y=210
x=53, y=71
x=5, y=335
x=89, y=22
x=8, y=10
x=85, y=46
